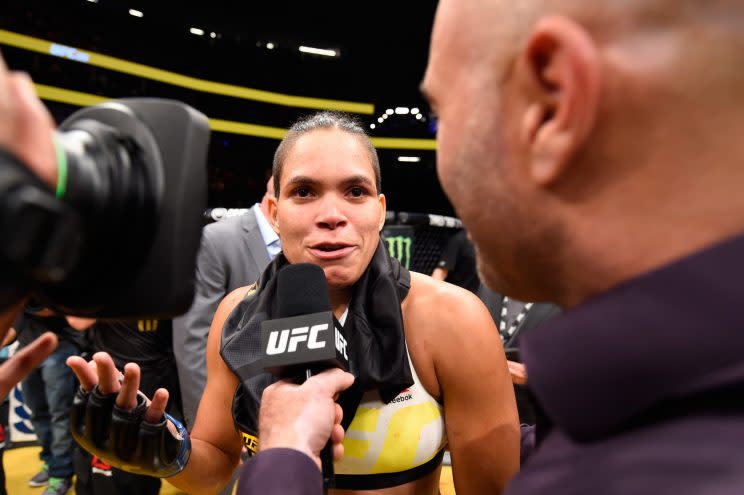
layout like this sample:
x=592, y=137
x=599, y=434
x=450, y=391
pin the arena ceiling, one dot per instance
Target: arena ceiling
x=381, y=52
x=381, y=46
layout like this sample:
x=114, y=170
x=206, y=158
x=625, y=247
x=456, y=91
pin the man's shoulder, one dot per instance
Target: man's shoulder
x=699, y=453
x=230, y=226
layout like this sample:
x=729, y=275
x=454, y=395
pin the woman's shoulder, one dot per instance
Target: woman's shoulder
x=436, y=316
x=431, y=299
x=440, y=314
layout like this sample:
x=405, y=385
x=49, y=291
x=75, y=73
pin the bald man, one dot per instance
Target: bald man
x=606, y=139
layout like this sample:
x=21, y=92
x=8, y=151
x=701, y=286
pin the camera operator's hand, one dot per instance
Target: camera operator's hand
x=110, y=418
x=25, y=125
x=25, y=360
x=25, y=131
x=303, y=417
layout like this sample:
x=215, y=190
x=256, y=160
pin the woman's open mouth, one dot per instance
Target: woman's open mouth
x=330, y=251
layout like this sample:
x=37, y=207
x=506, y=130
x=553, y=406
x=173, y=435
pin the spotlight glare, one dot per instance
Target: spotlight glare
x=414, y=110
x=270, y=45
x=196, y=31
x=371, y=126
x=135, y=13
x=410, y=159
x=401, y=110
x=389, y=111
x=318, y=51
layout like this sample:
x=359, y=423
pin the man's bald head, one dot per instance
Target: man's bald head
x=576, y=133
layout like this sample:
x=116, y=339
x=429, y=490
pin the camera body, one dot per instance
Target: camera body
x=121, y=242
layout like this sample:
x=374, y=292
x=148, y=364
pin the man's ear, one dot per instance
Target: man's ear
x=561, y=64
x=273, y=210
x=383, y=210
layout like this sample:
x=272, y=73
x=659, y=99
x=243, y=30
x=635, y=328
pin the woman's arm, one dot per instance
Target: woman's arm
x=215, y=442
x=475, y=385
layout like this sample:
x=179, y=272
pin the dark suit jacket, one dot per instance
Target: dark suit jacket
x=232, y=254
x=280, y=472
x=643, y=385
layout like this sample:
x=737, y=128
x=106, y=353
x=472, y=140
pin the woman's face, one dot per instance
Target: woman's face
x=329, y=212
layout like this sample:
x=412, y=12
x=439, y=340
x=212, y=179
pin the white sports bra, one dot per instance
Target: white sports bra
x=405, y=434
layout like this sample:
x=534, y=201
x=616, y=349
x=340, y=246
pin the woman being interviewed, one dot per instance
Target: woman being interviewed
x=430, y=370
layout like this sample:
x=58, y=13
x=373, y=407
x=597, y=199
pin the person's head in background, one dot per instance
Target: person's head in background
x=327, y=208
x=585, y=142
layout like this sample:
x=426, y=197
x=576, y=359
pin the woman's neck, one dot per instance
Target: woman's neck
x=339, y=301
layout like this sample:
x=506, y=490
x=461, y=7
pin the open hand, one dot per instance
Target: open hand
x=101, y=371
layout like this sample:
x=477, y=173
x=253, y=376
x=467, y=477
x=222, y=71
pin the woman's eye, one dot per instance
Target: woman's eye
x=302, y=192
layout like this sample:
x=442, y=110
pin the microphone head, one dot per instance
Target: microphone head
x=301, y=289
x=302, y=336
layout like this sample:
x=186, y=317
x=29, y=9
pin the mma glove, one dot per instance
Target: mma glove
x=124, y=439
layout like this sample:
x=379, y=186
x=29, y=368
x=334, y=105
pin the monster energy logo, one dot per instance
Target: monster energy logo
x=399, y=248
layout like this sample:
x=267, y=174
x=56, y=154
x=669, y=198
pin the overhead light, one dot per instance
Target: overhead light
x=371, y=126
x=414, y=110
x=196, y=31
x=270, y=45
x=212, y=35
x=135, y=13
x=389, y=111
x=380, y=120
x=418, y=116
x=384, y=115
x=93, y=1
x=401, y=110
x=318, y=51
x=411, y=159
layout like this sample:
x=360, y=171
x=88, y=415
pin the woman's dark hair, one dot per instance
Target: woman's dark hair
x=323, y=120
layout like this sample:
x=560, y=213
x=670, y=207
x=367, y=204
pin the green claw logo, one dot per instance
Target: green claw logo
x=399, y=248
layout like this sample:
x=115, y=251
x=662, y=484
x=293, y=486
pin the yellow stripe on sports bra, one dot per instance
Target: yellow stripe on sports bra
x=403, y=435
x=356, y=448
x=365, y=419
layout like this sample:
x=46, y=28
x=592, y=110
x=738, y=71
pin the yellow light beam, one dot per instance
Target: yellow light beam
x=139, y=70
x=84, y=99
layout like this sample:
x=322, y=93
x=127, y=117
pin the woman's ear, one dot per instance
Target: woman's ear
x=383, y=210
x=273, y=211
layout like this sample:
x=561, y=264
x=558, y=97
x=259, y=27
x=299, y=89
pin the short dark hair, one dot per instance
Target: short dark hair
x=323, y=120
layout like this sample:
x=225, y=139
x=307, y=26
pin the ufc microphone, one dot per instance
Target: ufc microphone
x=304, y=339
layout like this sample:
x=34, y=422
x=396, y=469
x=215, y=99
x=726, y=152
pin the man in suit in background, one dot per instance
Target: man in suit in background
x=233, y=254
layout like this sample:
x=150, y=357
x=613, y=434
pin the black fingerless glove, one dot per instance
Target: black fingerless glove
x=124, y=440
